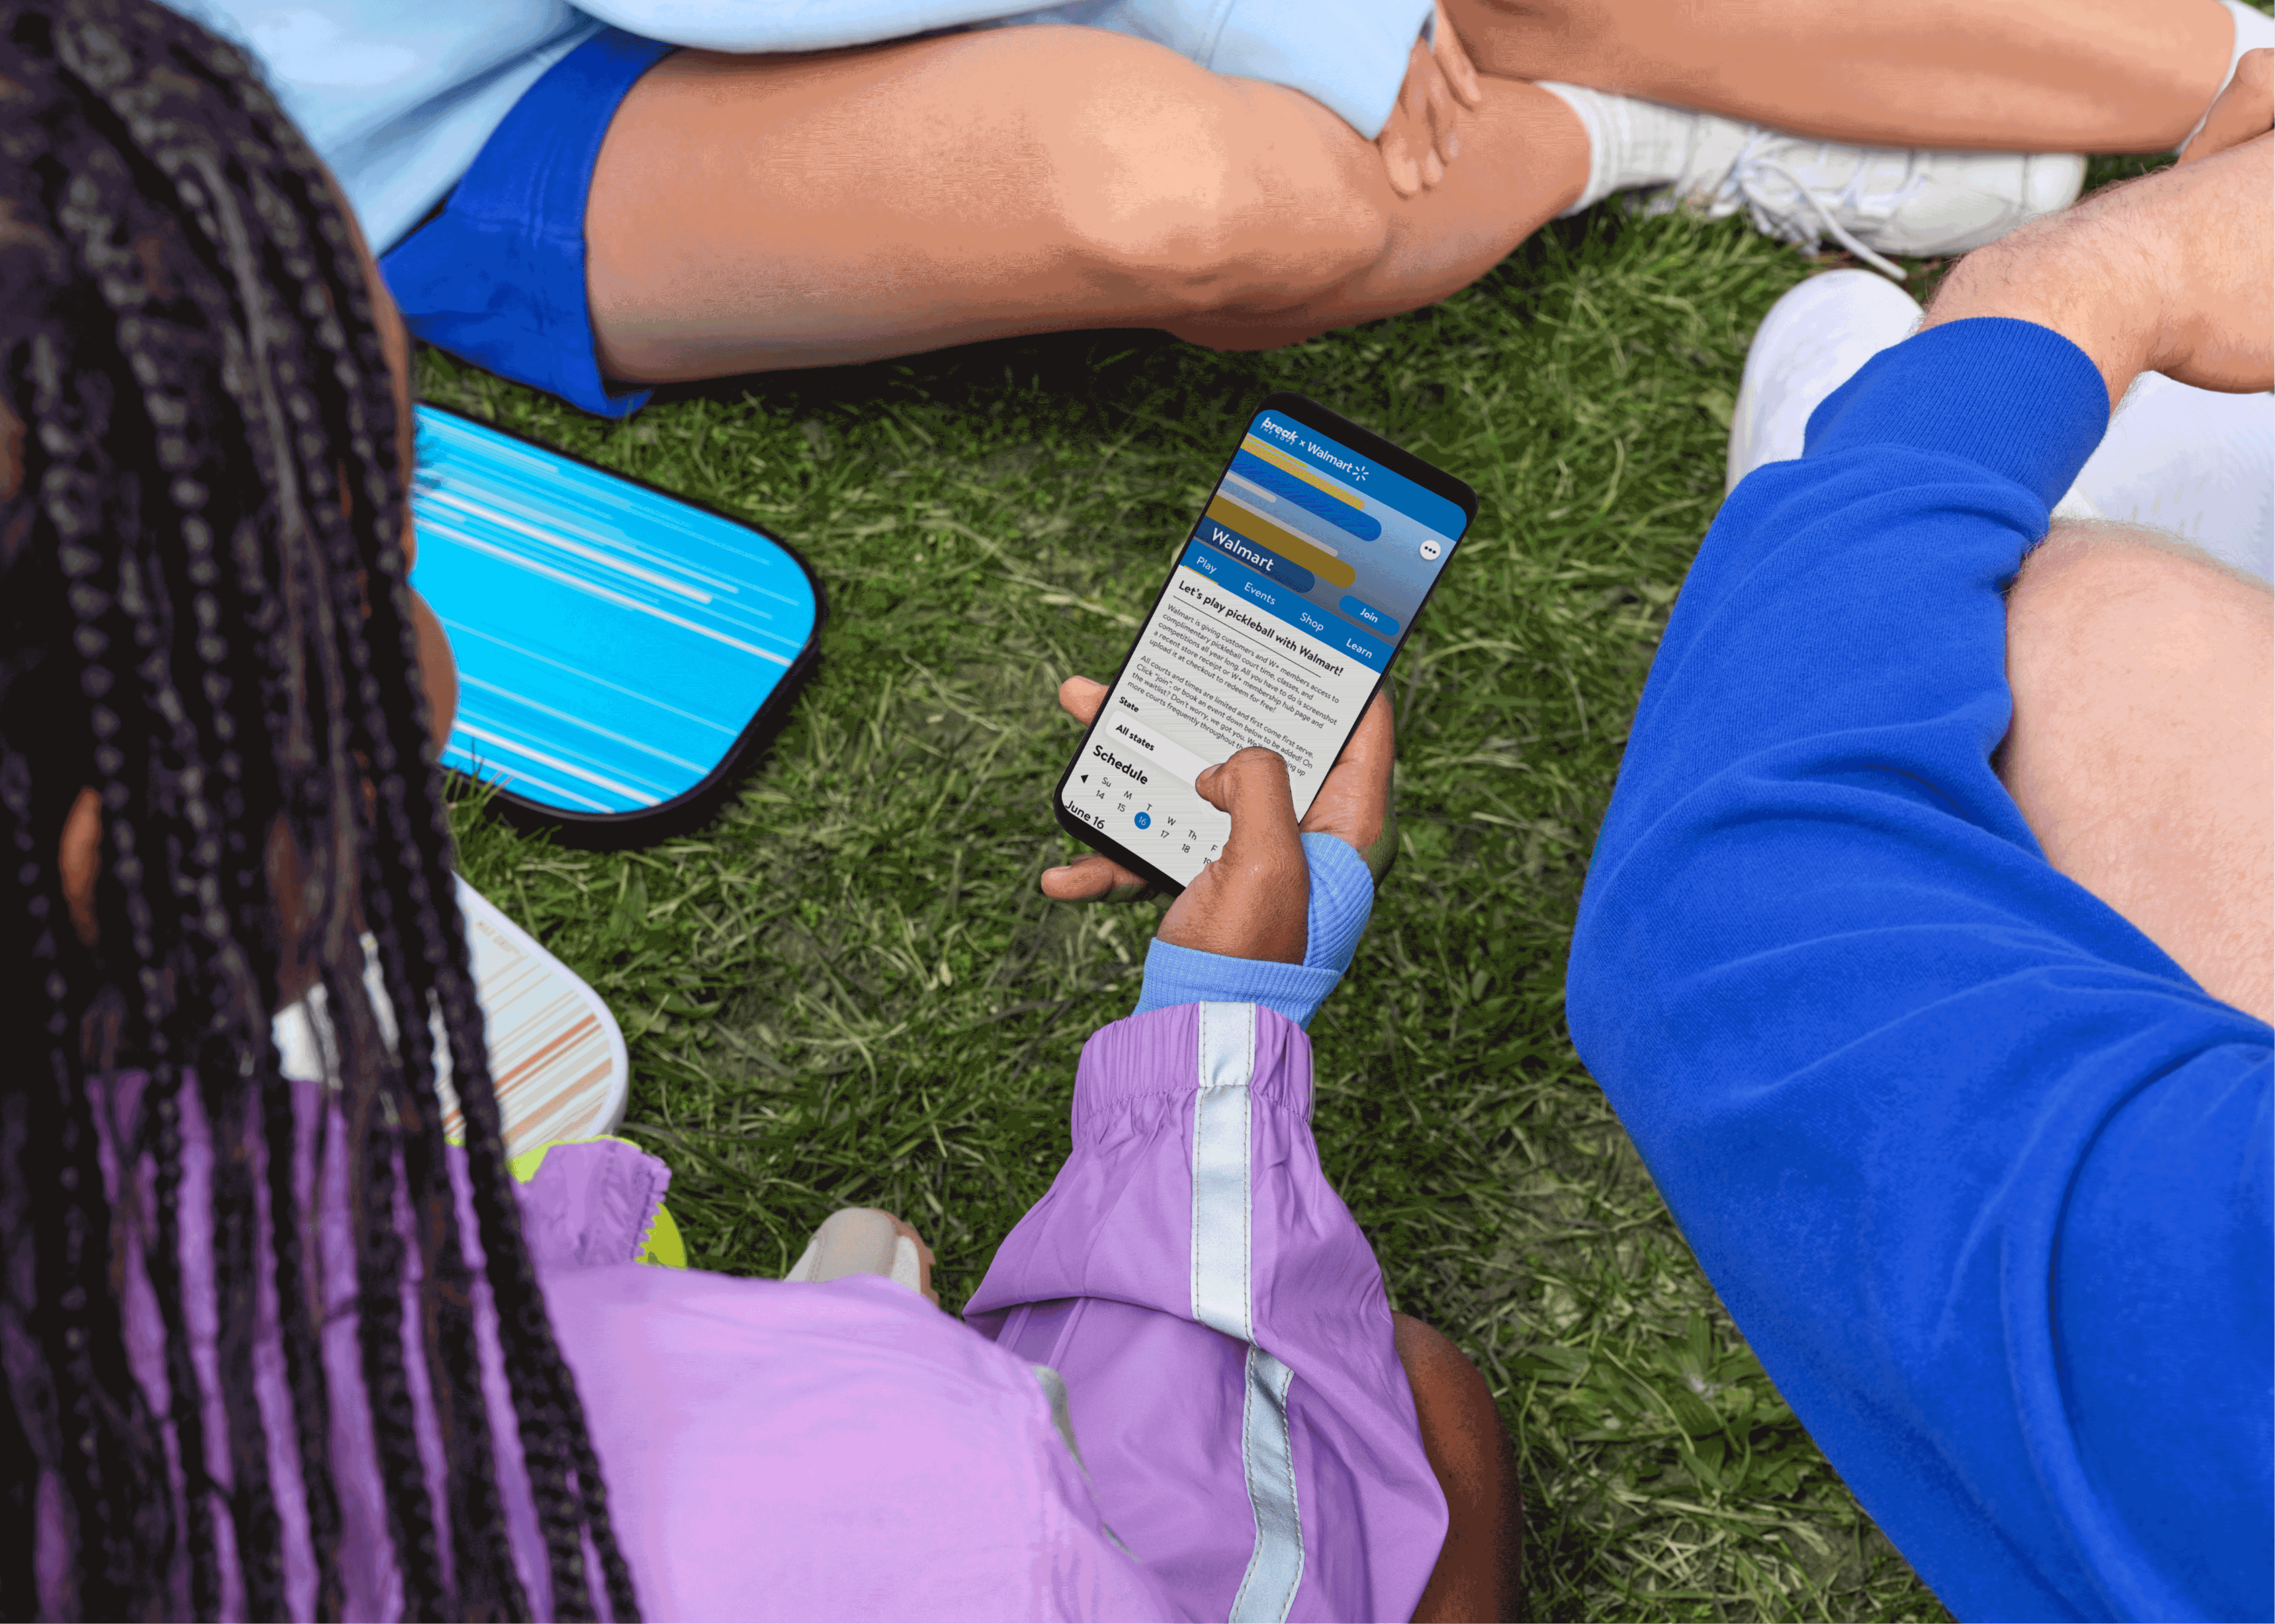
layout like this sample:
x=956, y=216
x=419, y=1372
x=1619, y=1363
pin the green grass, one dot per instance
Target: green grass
x=849, y=990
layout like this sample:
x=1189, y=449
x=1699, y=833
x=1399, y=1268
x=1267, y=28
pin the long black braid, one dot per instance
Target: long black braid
x=203, y=620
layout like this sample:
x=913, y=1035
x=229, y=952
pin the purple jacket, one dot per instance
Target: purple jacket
x=846, y=1450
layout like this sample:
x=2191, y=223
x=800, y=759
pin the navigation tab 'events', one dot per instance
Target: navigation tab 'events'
x=1290, y=608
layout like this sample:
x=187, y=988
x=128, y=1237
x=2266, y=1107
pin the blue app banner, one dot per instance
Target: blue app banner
x=1262, y=559
x=1304, y=495
x=1362, y=474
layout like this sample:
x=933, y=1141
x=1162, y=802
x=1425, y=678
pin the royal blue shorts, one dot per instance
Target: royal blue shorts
x=498, y=276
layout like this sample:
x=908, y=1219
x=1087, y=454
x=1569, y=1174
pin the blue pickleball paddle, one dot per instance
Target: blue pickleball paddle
x=623, y=655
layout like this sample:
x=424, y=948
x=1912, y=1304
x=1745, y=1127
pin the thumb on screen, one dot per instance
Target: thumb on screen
x=1080, y=697
x=1252, y=902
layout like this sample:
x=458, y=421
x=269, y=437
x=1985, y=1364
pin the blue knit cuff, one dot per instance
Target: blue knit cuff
x=2009, y=396
x=1343, y=900
x=1342, y=897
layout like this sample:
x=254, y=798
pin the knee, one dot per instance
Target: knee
x=2139, y=668
x=2142, y=752
x=1460, y=1421
x=1199, y=193
x=1480, y=1573
x=1433, y=1360
x=2099, y=600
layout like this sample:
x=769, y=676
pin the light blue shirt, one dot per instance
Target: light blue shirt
x=398, y=97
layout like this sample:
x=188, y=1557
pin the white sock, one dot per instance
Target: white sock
x=1630, y=143
x=2253, y=31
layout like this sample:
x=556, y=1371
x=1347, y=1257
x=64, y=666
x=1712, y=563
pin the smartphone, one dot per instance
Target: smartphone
x=1303, y=576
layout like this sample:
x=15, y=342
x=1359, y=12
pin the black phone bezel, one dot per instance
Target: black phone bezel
x=693, y=807
x=1313, y=415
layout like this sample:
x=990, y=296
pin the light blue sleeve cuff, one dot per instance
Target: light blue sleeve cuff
x=1351, y=56
x=1342, y=897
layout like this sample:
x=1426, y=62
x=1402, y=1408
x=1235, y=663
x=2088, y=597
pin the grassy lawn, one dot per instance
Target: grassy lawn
x=848, y=991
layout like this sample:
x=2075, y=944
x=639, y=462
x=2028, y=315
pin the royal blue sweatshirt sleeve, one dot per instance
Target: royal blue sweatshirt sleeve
x=1981, y=1173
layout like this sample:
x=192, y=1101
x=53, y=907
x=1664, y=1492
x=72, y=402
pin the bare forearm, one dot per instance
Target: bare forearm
x=2095, y=287
x=2166, y=274
x=2021, y=76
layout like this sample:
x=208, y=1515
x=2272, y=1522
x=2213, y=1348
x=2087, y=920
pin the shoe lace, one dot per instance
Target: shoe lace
x=1748, y=180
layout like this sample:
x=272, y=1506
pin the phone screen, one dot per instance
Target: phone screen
x=1294, y=589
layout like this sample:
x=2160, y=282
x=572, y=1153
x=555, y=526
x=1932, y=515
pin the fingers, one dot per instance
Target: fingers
x=2244, y=109
x=1373, y=743
x=1354, y=800
x=1454, y=57
x=1398, y=164
x=1427, y=108
x=1080, y=697
x=1438, y=94
x=1251, y=789
x=1431, y=160
x=1253, y=902
x=1093, y=878
x=1402, y=134
x=1421, y=137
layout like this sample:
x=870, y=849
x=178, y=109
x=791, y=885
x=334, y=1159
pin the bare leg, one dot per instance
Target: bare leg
x=2142, y=749
x=1480, y=1569
x=755, y=212
x=2000, y=75
x=1524, y=159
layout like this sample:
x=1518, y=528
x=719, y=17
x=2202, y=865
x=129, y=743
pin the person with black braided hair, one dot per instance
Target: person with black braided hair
x=211, y=705
x=276, y=1348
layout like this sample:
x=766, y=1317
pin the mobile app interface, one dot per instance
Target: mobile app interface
x=1305, y=572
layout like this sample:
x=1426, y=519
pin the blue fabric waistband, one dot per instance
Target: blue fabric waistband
x=498, y=276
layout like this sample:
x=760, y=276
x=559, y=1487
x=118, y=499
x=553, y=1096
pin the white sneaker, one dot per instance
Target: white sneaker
x=1811, y=343
x=1870, y=199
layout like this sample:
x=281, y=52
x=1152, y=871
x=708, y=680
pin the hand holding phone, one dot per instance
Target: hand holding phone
x=1251, y=902
x=1318, y=548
